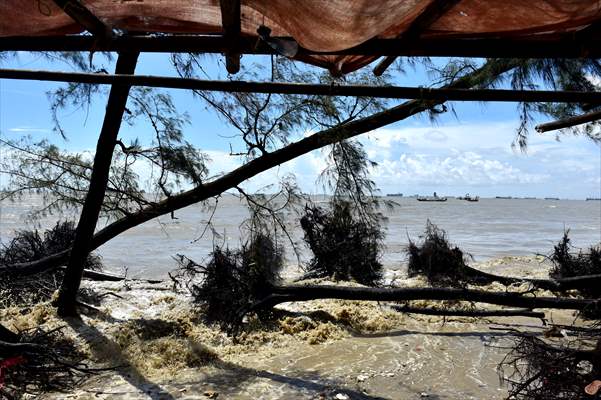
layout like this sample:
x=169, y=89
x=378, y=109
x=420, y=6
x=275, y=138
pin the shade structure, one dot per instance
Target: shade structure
x=317, y=25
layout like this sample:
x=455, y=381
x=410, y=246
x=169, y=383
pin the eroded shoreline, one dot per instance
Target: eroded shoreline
x=311, y=350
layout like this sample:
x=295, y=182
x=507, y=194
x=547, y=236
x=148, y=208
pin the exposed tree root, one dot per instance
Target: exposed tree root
x=38, y=361
x=539, y=370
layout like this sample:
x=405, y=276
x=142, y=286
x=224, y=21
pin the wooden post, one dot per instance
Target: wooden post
x=126, y=64
x=230, y=20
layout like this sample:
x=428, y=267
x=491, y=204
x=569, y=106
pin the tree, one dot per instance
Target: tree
x=270, y=128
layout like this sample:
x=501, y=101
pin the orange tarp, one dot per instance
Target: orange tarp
x=317, y=25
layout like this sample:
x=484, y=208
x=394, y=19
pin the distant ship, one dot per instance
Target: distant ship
x=434, y=197
x=394, y=194
x=467, y=197
x=551, y=198
x=503, y=197
x=593, y=198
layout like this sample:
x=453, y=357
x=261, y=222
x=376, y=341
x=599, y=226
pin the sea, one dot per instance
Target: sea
x=488, y=229
x=413, y=356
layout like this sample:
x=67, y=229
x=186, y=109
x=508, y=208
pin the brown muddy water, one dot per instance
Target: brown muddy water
x=327, y=349
x=323, y=349
x=490, y=228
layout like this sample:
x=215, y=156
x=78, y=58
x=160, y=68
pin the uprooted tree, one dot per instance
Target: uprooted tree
x=346, y=237
x=270, y=131
x=30, y=245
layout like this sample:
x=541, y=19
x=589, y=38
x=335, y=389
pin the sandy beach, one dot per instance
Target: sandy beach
x=321, y=349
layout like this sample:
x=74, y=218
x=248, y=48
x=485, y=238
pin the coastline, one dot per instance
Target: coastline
x=314, y=349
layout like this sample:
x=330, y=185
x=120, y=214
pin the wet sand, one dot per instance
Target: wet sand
x=324, y=349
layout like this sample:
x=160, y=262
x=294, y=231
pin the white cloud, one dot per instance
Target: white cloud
x=458, y=157
x=27, y=129
x=475, y=158
x=459, y=168
x=461, y=156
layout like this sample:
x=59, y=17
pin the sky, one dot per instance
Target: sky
x=468, y=151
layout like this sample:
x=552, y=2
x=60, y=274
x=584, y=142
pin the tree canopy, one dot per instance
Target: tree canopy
x=271, y=129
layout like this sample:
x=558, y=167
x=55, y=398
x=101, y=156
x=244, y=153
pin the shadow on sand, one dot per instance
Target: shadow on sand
x=228, y=379
x=99, y=344
x=232, y=377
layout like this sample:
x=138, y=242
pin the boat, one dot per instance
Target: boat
x=504, y=197
x=467, y=197
x=551, y=198
x=431, y=198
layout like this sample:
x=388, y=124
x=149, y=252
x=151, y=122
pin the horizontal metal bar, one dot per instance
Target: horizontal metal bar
x=393, y=92
x=566, y=47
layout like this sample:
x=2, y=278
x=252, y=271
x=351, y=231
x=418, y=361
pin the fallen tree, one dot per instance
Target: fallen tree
x=232, y=279
x=345, y=246
x=31, y=245
x=446, y=265
x=581, y=269
x=266, y=136
x=283, y=294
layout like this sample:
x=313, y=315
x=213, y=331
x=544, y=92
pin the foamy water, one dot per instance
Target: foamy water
x=409, y=357
x=488, y=229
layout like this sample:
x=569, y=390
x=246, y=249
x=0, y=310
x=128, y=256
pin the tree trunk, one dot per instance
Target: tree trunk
x=469, y=313
x=82, y=244
x=283, y=294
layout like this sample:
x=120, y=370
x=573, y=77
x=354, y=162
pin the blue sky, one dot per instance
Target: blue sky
x=469, y=152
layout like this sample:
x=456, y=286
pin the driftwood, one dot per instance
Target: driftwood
x=106, y=277
x=9, y=349
x=470, y=313
x=98, y=276
x=282, y=294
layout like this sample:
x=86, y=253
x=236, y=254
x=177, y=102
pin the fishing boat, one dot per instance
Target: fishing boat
x=431, y=198
x=467, y=197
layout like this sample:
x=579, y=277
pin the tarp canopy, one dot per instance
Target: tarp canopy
x=317, y=25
